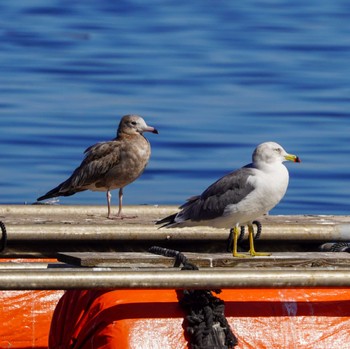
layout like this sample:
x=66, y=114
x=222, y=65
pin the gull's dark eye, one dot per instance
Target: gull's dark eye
x=278, y=150
x=133, y=123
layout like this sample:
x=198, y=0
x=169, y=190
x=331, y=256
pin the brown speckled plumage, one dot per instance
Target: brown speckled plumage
x=110, y=165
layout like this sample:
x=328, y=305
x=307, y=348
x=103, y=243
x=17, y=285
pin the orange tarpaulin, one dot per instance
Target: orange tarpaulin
x=25, y=318
x=26, y=315
x=260, y=318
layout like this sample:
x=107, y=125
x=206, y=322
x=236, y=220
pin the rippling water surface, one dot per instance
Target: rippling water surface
x=215, y=77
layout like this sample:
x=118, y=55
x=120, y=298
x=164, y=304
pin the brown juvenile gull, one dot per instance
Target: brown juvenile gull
x=111, y=165
x=240, y=197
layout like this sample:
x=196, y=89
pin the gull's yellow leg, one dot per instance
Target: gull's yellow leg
x=251, y=244
x=235, y=238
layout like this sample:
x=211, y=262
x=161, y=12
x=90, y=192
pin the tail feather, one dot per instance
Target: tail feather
x=59, y=192
x=167, y=221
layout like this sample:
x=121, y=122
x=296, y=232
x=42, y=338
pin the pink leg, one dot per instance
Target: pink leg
x=109, y=196
x=119, y=214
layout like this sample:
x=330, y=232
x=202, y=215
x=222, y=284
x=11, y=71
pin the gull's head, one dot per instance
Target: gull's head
x=271, y=152
x=133, y=124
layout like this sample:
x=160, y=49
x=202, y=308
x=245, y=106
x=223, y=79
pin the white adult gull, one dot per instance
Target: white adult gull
x=240, y=197
x=111, y=165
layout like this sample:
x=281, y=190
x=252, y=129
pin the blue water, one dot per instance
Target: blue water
x=215, y=77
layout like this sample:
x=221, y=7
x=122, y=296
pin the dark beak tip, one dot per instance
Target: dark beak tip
x=155, y=131
x=297, y=159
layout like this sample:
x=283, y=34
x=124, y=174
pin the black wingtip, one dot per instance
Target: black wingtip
x=166, y=221
x=49, y=195
x=53, y=193
x=44, y=197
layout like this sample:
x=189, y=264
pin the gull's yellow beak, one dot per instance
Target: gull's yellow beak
x=291, y=157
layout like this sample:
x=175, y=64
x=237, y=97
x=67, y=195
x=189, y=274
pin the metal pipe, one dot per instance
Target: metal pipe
x=56, y=210
x=56, y=222
x=60, y=232
x=54, y=279
x=31, y=265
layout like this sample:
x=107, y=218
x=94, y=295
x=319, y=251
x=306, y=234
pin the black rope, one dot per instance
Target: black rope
x=3, y=241
x=336, y=247
x=241, y=235
x=256, y=236
x=340, y=247
x=207, y=326
x=179, y=257
x=229, y=246
x=258, y=230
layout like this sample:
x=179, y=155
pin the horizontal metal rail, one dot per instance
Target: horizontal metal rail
x=61, y=232
x=101, y=278
x=32, y=265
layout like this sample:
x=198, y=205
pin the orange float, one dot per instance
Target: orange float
x=26, y=315
x=260, y=318
x=311, y=318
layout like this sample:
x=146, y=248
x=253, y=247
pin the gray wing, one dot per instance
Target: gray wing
x=211, y=204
